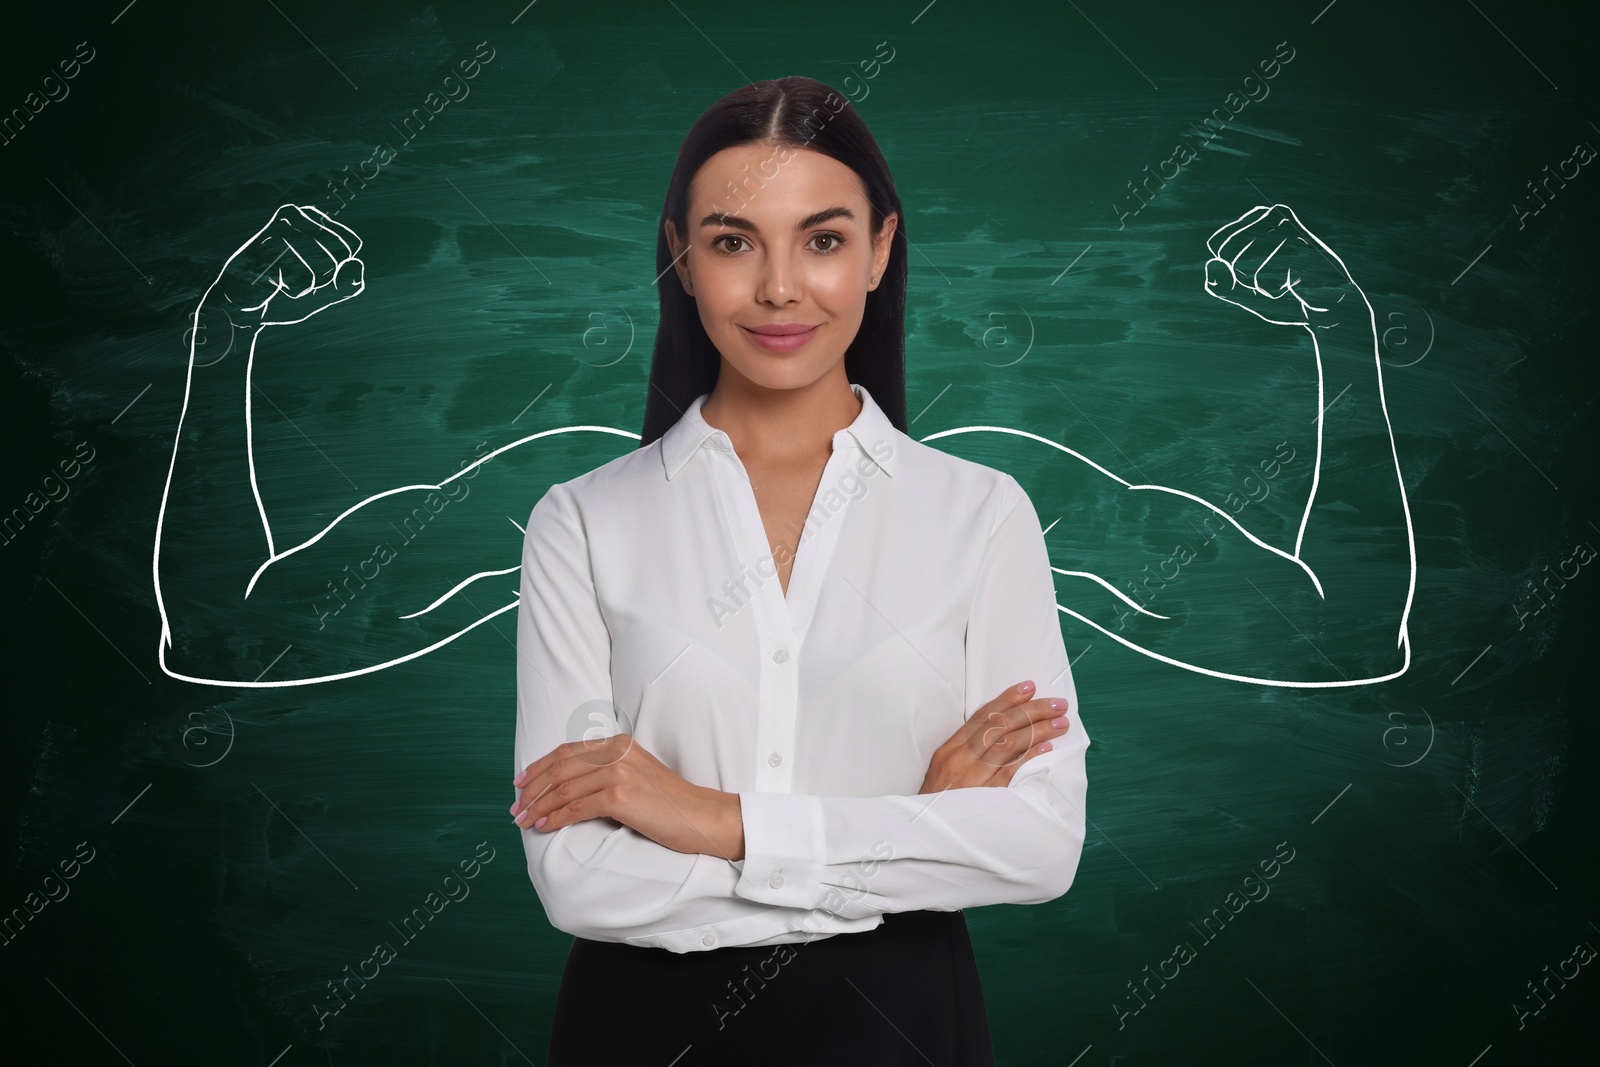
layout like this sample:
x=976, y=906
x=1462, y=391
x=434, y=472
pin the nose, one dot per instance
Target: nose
x=780, y=281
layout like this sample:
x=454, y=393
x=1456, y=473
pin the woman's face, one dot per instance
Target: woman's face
x=779, y=237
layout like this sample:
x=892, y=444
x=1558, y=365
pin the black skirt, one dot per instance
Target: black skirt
x=906, y=992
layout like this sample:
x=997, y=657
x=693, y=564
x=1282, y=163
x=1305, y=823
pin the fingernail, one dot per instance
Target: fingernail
x=1058, y=704
x=539, y=823
x=514, y=808
x=1025, y=687
x=1059, y=724
x=1045, y=746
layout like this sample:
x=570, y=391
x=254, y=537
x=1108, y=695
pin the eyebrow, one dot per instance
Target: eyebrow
x=719, y=218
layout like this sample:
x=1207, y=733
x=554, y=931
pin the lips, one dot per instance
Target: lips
x=781, y=336
x=781, y=329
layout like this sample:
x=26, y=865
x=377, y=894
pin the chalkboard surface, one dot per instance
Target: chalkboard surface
x=1340, y=829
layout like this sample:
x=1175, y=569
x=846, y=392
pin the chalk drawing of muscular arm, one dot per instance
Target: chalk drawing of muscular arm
x=391, y=577
x=399, y=574
x=1183, y=580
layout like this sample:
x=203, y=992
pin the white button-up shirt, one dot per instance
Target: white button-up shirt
x=921, y=590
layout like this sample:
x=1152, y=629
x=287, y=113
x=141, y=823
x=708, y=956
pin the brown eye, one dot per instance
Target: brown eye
x=717, y=244
x=834, y=241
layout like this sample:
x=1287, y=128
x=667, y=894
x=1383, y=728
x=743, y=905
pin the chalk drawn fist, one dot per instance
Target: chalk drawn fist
x=1268, y=263
x=299, y=263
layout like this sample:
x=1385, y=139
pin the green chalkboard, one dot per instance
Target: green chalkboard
x=1346, y=828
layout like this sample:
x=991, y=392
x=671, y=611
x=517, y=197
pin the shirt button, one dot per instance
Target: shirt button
x=776, y=881
x=773, y=759
x=708, y=940
x=780, y=656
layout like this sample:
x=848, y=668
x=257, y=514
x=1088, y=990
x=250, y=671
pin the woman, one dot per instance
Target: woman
x=754, y=845
x=796, y=764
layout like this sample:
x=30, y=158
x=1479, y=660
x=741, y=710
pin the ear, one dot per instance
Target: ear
x=676, y=245
x=881, y=245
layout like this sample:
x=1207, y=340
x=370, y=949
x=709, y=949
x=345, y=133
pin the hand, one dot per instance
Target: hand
x=996, y=740
x=1265, y=255
x=301, y=262
x=616, y=777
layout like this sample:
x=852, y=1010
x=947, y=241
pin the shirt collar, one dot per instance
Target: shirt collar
x=691, y=432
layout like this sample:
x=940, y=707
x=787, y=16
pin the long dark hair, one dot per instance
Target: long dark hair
x=793, y=112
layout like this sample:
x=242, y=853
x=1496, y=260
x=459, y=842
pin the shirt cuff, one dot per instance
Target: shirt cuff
x=745, y=931
x=784, y=850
